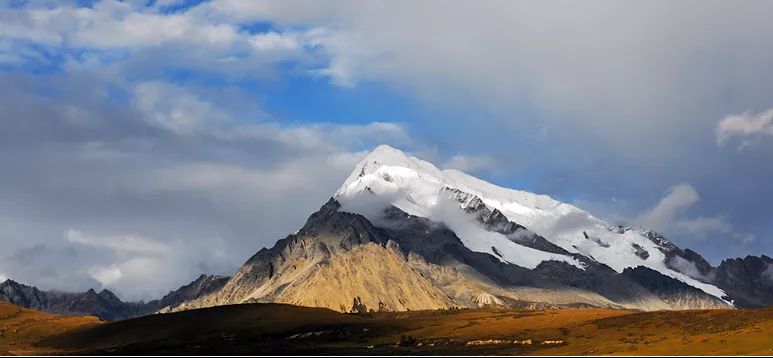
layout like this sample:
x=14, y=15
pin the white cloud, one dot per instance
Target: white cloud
x=175, y=109
x=3, y=278
x=138, y=267
x=670, y=215
x=688, y=268
x=702, y=225
x=615, y=89
x=118, y=36
x=747, y=126
x=319, y=137
x=112, y=24
x=295, y=12
x=350, y=55
x=678, y=198
x=106, y=276
x=274, y=41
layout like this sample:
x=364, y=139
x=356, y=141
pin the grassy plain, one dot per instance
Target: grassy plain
x=284, y=329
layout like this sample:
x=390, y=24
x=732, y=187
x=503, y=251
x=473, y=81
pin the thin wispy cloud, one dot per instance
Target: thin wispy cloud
x=670, y=215
x=747, y=127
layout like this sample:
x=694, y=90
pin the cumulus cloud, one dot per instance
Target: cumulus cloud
x=749, y=127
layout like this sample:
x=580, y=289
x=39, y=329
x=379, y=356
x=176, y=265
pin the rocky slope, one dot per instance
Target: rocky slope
x=342, y=261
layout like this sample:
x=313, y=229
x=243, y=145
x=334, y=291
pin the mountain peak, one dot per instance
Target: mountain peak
x=390, y=157
x=387, y=177
x=385, y=151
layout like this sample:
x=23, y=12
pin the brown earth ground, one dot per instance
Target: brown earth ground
x=283, y=329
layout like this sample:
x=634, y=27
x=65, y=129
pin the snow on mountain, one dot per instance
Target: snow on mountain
x=421, y=189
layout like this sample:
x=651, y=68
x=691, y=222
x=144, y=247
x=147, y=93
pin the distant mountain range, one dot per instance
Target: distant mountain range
x=104, y=304
x=401, y=234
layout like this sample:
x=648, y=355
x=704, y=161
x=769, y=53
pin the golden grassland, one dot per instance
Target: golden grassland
x=284, y=329
x=20, y=328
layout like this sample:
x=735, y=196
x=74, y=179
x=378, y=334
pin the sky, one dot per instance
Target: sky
x=143, y=143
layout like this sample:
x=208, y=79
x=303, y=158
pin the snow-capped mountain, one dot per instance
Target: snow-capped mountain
x=421, y=189
x=402, y=234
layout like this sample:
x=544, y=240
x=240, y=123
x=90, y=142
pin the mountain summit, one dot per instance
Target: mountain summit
x=421, y=189
x=401, y=234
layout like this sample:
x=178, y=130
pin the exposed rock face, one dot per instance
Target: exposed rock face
x=326, y=234
x=378, y=276
x=203, y=285
x=748, y=281
x=104, y=304
x=676, y=293
x=22, y=295
x=334, y=258
x=404, y=262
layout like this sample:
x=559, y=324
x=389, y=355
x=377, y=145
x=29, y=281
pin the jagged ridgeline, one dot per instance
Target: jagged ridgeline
x=104, y=304
x=401, y=234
